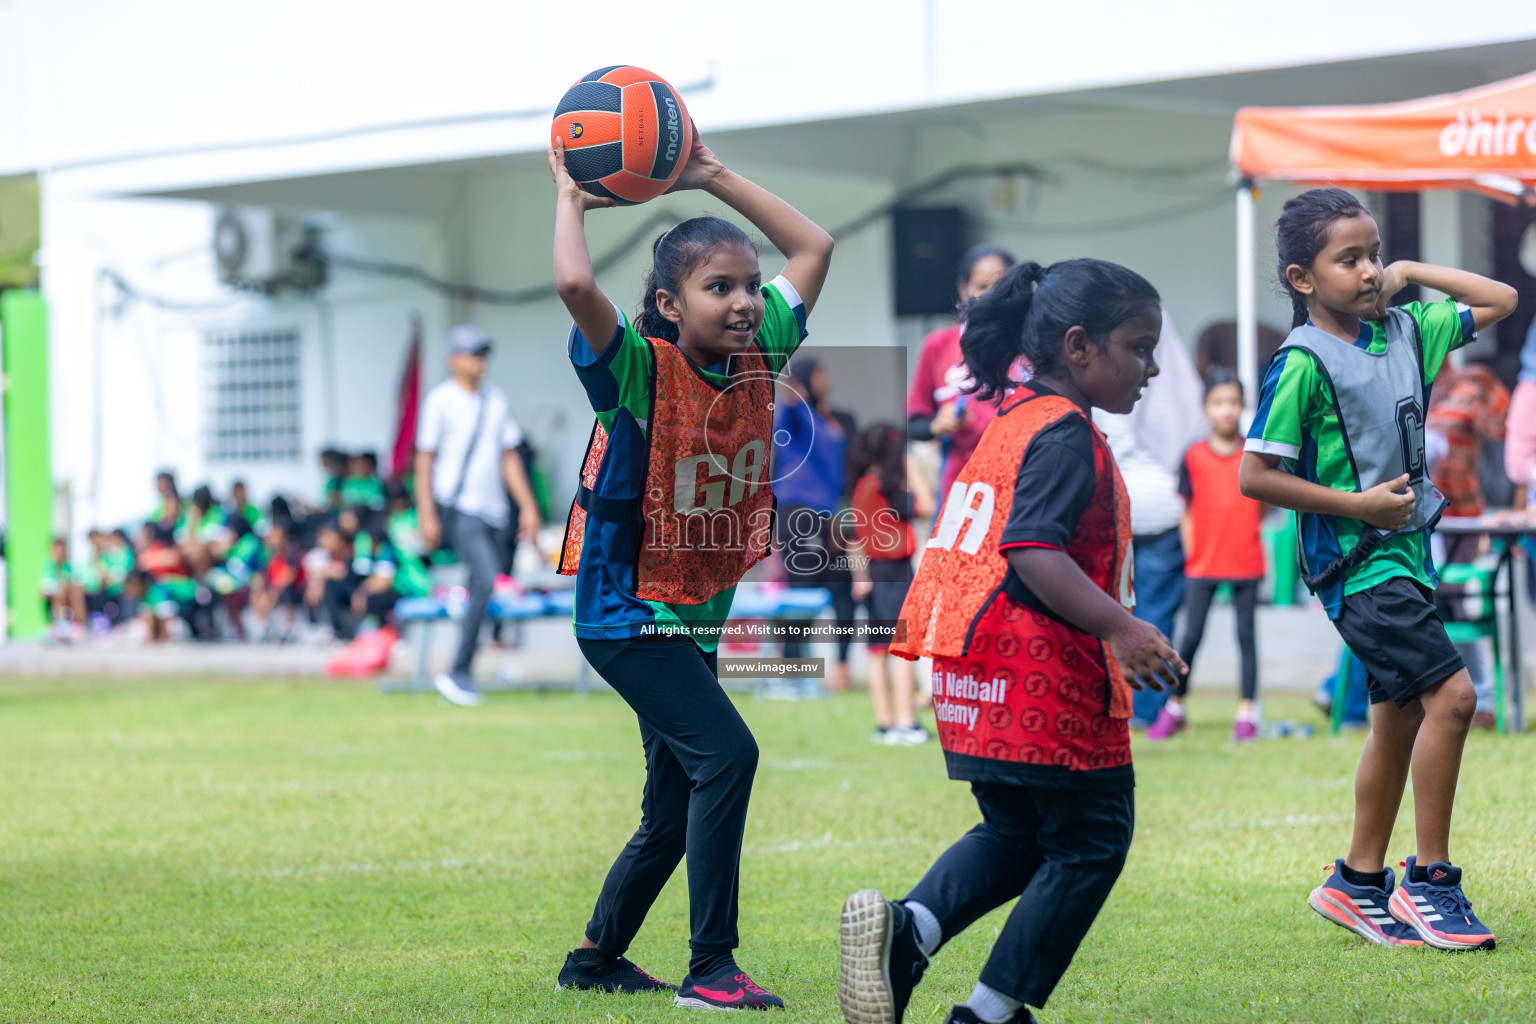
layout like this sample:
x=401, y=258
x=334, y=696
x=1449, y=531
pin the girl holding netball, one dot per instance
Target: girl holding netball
x=674, y=505
x=1339, y=437
x=1023, y=601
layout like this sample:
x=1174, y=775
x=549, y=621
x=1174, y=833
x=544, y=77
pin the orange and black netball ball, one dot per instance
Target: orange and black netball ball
x=627, y=134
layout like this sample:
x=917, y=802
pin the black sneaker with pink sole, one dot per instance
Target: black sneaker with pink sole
x=729, y=990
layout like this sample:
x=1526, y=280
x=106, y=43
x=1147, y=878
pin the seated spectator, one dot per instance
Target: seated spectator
x=329, y=568
x=232, y=579
x=63, y=598
x=362, y=486
x=299, y=526
x=376, y=594
x=239, y=504
x=202, y=534
x=168, y=511
x=169, y=590
x=333, y=466
x=412, y=576
x=279, y=583
x=102, y=580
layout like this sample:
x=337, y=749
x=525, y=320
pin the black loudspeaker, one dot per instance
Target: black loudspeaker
x=928, y=243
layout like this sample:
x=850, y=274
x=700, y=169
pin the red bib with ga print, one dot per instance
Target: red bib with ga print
x=707, y=507
x=1011, y=683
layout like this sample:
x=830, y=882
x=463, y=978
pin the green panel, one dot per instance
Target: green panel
x=28, y=468
x=19, y=232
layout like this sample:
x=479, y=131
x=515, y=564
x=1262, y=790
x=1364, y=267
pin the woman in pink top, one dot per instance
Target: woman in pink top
x=937, y=403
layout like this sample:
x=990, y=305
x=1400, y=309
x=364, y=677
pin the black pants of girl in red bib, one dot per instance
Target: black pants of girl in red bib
x=1058, y=850
x=700, y=759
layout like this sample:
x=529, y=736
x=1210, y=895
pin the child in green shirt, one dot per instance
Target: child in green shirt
x=63, y=596
x=361, y=485
x=1339, y=437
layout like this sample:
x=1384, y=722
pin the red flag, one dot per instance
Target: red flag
x=409, y=403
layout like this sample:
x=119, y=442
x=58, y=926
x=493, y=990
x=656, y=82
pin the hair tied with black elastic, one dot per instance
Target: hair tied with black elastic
x=1030, y=309
x=1301, y=234
x=690, y=244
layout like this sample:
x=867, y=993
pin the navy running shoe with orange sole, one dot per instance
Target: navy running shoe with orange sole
x=1361, y=908
x=729, y=990
x=1437, y=910
x=589, y=969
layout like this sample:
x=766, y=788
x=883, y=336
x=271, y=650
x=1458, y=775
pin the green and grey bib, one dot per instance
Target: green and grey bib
x=1380, y=398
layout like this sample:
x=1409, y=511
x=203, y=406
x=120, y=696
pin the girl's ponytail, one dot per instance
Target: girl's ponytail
x=993, y=336
x=1031, y=308
x=650, y=323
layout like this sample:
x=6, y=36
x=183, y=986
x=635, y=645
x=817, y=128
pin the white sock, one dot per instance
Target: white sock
x=929, y=934
x=991, y=1005
x=1176, y=710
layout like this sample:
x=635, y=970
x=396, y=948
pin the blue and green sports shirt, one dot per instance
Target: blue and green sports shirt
x=1298, y=421
x=618, y=386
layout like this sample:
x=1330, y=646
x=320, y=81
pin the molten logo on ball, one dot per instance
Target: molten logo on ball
x=674, y=127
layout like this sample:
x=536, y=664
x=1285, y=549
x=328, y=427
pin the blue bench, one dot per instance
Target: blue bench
x=752, y=601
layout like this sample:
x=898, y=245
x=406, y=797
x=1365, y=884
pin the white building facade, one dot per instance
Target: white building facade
x=414, y=138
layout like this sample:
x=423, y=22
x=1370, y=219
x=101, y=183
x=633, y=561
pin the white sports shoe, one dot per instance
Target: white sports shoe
x=464, y=697
x=906, y=736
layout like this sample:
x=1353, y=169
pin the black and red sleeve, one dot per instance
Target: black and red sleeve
x=1055, y=483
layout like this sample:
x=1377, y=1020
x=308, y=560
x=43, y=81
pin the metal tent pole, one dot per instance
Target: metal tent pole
x=1247, y=308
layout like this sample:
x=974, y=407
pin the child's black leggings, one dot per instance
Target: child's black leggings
x=700, y=759
x=1058, y=850
x=1198, y=594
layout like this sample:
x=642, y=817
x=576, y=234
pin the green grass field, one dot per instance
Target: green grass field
x=202, y=851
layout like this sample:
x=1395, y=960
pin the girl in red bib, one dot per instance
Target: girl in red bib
x=1023, y=601
x=674, y=504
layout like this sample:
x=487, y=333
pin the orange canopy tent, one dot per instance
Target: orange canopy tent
x=1481, y=140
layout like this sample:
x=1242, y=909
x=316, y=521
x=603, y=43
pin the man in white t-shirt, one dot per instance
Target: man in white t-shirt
x=466, y=463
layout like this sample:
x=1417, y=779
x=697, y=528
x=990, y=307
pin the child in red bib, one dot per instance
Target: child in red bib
x=1222, y=547
x=886, y=498
x=1023, y=601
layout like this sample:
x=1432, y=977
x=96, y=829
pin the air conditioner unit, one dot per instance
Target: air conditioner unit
x=256, y=247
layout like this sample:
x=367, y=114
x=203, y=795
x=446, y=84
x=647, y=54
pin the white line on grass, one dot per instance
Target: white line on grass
x=369, y=868
x=826, y=842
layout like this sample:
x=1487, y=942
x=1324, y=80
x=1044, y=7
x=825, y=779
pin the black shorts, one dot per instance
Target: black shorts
x=889, y=580
x=1396, y=633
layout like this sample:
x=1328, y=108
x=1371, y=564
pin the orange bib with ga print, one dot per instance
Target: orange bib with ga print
x=707, y=507
x=1025, y=671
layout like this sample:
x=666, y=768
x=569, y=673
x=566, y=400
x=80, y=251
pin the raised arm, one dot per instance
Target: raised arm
x=1489, y=300
x=806, y=247
x=595, y=316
